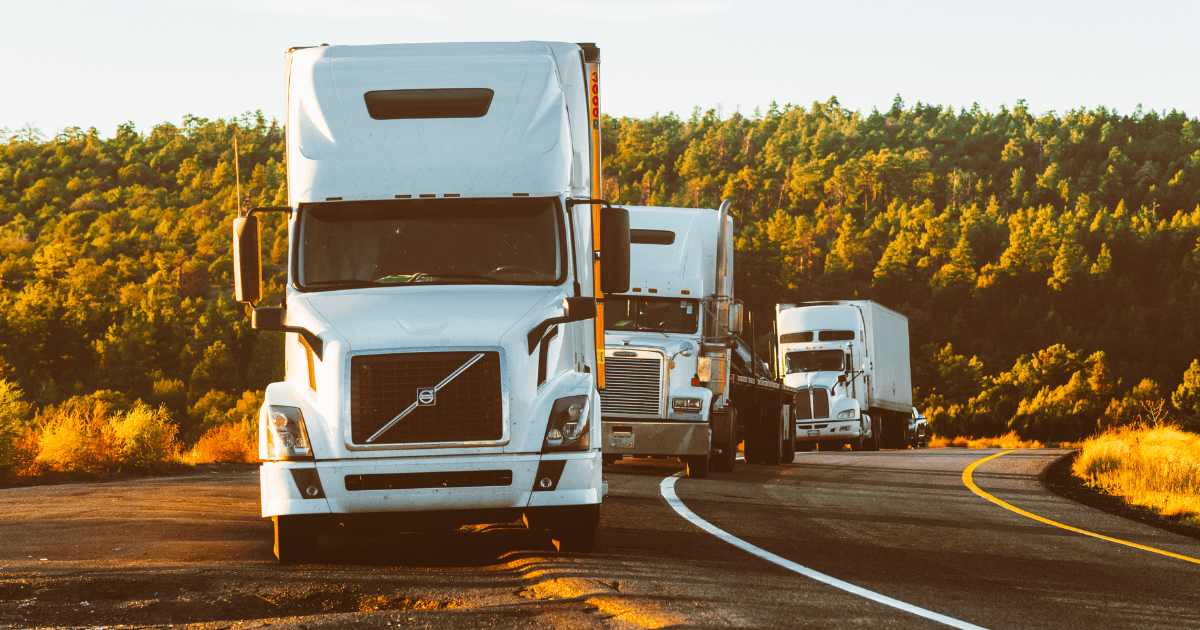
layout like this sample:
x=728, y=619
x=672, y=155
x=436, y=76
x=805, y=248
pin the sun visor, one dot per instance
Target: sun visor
x=384, y=122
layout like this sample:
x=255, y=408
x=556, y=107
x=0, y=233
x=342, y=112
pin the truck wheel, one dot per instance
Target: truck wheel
x=772, y=438
x=574, y=528
x=752, y=444
x=697, y=466
x=725, y=461
x=295, y=539
x=789, y=436
x=872, y=443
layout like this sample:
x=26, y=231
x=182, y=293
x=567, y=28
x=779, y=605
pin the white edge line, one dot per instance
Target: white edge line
x=667, y=487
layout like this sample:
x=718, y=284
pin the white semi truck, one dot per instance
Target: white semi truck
x=447, y=253
x=850, y=361
x=680, y=382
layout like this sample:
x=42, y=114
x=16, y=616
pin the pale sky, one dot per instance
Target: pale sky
x=99, y=63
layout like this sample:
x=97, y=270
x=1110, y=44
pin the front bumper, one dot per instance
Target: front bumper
x=480, y=482
x=639, y=437
x=817, y=430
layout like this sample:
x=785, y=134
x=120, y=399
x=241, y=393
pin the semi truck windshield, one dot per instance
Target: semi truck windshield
x=668, y=315
x=815, y=361
x=476, y=241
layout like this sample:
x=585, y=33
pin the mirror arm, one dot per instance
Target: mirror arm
x=539, y=331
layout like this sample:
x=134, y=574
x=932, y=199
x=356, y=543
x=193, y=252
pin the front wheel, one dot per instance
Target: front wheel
x=295, y=539
x=573, y=529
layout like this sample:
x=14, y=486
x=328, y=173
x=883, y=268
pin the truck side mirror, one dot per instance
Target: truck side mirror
x=841, y=378
x=735, y=318
x=614, y=254
x=247, y=264
x=575, y=309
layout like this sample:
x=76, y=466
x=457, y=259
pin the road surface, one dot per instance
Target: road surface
x=892, y=539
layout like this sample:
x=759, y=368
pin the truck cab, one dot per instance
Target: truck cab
x=668, y=338
x=821, y=353
x=441, y=355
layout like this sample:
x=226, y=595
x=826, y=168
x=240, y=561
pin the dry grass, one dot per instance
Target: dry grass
x=1155, y=467
x=227, y=443
x=88, y=438
x=1008, y=440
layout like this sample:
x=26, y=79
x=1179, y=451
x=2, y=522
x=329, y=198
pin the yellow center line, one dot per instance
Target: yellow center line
x=966, y=477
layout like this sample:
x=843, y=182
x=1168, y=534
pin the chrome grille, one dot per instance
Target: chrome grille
x=632, y=385
x=469, y=408
x=812, y=404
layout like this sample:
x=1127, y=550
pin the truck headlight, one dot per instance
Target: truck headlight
x=687, y=404
x=286, y=436
x=846, y=414
x=568, y=427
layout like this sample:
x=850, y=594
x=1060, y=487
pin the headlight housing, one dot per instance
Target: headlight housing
x=287, y=438
x=568, y=428
x=687, y=404
x=846, y=414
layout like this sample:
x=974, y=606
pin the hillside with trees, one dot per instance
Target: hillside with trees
x=1049, y=265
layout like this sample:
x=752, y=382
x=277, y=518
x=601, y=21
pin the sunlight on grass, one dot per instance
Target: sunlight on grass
x=1008, y=440
x=235, y=442
x=1154, y=467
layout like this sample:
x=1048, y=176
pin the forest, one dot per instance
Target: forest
x=1049, y=265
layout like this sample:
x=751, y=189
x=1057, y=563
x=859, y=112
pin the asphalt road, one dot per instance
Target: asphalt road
x=885, y=534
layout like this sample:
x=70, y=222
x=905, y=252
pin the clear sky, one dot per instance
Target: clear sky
x=100, y=63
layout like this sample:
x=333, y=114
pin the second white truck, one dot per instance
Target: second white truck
x=680, y=381
x=850, y=361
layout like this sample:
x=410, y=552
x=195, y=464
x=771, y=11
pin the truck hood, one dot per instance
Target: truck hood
x=803, y=380
x=433, y=317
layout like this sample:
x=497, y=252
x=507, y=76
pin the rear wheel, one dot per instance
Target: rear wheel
x=295, y=539
x=789, y=435
x=772, y=439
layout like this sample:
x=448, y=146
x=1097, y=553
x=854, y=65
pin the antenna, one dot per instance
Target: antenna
x=237, y=170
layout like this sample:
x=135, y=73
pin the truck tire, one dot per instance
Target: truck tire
x=697, y=466
x=772, y=439
x=789, y=436
x=573, y=529
x=295, y=539
x=725, y=461
x=752, y=444
x=872, y=443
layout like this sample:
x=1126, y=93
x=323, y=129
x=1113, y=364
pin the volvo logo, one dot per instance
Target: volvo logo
x=427, y=396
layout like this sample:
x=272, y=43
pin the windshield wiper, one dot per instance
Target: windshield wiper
x=342, y=283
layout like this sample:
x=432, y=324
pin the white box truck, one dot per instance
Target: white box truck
x=447, y=251
x=680, y=383
x=850, y=361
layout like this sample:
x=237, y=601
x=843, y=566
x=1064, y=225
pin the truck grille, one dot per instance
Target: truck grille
x=632, y=385
x=469, y=408
x=813, y=404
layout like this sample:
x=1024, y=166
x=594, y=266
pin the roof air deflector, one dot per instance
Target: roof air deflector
x=438, y=103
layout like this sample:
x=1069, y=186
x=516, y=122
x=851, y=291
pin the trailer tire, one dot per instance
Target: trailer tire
x=789, y=435
x=295, y=539
x=725, y=461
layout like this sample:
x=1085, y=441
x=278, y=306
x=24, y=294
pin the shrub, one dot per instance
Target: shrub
x=233, y=442
x=77, y=438
x=145, y=437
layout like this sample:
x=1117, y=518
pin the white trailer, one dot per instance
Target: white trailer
x=678, y=385
x=850, y=361
x=442, y=355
